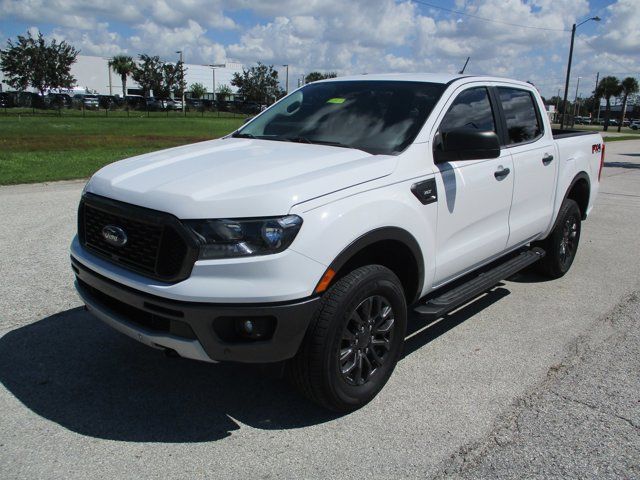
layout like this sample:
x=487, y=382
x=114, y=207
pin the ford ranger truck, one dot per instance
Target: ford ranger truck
x=309, y=234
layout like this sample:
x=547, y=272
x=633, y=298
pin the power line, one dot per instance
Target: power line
x=484, y=19
x=607, y=56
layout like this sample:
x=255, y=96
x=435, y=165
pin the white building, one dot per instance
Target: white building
x=93, y=75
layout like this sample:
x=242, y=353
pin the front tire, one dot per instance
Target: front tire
x=354, y=341
x=562, y=244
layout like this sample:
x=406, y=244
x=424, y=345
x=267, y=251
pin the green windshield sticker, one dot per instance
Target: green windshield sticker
x=336, y=100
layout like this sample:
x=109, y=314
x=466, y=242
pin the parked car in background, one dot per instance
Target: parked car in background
x=89, y=102
x=634, y=125
x=135, y=101
x=107, y=101
x=194, y=104
x=177, y=104
x=153, y=104
x=583, y=120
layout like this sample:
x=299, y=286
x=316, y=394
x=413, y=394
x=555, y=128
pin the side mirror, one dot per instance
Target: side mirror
x=466, y=144
x=247, y=120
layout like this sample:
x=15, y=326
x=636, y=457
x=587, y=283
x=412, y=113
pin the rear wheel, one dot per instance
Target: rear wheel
x=562, y=244
x=354, y=342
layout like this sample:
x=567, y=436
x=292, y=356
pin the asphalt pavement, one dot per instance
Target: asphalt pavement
x=534, y=379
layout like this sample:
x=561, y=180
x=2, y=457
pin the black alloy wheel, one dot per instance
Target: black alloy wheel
x=366, y=340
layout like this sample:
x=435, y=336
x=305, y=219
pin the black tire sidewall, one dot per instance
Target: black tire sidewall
x=381, y=282
x=569, y=209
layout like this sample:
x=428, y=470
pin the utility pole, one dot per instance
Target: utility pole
x=575, y=103
x=597, y=100
x=109, y=70
x=287, y=81
x=566, y=83
x=182, y=83
x=213, y=75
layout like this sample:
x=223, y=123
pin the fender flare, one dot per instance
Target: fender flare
x=381, y=234
x=579, y=176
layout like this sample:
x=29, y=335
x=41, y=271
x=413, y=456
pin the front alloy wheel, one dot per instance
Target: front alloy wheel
x=366, y=340
x=354, y=340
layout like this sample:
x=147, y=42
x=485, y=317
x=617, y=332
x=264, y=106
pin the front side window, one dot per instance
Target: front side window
x=520, y=114
x=379, y=117
x=470, y=109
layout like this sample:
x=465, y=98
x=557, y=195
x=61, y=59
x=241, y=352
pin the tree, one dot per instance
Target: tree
x=32, y=62
x=198, y=90
x=629, y=87
x=149, y=74
x=124, y=66
x=607, y=88
x=315, y=76
x=258, y=84
x=224, y=91
x=174, y=81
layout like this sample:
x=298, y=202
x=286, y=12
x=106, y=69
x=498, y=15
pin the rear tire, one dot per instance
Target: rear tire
x=562, y=244
x=354, y=341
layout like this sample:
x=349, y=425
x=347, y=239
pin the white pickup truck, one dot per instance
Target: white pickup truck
x=308, y=234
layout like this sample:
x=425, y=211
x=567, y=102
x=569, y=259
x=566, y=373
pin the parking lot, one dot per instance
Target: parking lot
x=502, y=386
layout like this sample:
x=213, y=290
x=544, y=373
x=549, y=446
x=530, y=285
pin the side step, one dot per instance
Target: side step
x=438, y=306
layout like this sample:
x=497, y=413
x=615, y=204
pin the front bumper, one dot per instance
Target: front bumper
x=193, y=329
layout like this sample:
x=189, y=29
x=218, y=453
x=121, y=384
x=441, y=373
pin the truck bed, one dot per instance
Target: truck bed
x=565, y=133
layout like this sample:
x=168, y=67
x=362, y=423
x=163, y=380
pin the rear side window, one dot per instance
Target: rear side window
x=520, y=113
x=470, y=109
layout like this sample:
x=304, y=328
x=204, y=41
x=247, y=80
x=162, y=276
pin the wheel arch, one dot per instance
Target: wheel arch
x=407, y=261
x=580, y=191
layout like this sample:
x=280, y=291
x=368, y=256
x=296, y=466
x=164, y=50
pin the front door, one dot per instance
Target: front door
x=474, y=196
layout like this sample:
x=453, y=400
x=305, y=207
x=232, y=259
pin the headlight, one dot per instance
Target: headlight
x=241, y=238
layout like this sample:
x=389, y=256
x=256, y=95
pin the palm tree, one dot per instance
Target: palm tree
x=124, y=66
x=607, y=88
x=629, y=87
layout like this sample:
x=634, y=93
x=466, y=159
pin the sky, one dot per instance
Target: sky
x=523, y=39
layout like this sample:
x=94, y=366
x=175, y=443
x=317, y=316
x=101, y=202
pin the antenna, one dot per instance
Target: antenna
x=465, y=66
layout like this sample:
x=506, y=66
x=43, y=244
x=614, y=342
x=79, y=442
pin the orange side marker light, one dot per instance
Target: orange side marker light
x=324, y=282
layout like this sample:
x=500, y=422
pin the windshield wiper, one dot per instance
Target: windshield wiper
x=318, y=142
x=242, y=135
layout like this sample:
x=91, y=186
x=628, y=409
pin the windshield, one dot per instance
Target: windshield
x=379, y=117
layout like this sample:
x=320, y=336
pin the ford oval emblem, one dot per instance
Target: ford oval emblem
x=115, y=236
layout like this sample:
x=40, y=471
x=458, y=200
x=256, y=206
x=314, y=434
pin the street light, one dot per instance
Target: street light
x=213, y=76
x=182, y=83
x=287, y=81
x=566, y=84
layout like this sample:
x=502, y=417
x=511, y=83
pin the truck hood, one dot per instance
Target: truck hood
x=236, y=178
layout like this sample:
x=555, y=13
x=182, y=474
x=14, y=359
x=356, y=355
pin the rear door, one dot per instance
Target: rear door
x=474, y=196
x=534, y=162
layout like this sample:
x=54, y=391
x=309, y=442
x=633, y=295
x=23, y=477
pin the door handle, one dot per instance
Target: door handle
x=501, y=173
x=547, y=159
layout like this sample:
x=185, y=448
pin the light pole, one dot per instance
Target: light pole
x=566, y=84
x=213, y=77
x=182, y=82
x=287, y=81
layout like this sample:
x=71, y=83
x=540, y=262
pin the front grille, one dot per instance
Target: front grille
x=157, y=245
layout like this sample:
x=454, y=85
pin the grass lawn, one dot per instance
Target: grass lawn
x=38, y=149
x=622, y=137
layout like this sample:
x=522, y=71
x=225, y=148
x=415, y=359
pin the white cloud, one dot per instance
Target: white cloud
x=351, y=36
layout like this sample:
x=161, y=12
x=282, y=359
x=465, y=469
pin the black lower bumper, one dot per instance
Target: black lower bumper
x=214, y=326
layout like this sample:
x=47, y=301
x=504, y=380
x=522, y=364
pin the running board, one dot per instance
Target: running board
x=439, y=306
